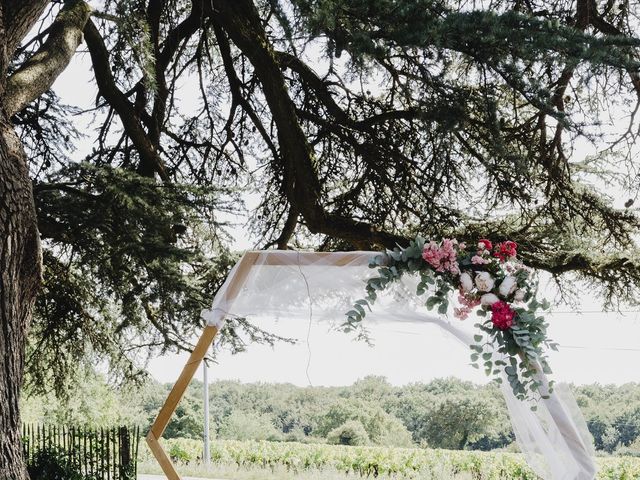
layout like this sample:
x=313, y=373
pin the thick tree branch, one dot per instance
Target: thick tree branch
x=235, y=86
x=601, y=25
x=301, y=185
x=181, y=32
x=38, y=73
x=118, y=100
x=19, y=17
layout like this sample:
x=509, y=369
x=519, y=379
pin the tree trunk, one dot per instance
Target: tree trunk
x=20, y=274
x=20, y=254
x=19, y=259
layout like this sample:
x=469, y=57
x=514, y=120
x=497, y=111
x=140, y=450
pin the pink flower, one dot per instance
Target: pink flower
x=469, y=301
x=443, y=258
x=478, y=260
x=431, y=254
x=502, y=315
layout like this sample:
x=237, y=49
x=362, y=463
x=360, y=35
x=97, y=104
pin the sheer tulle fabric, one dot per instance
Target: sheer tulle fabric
x=323, y=287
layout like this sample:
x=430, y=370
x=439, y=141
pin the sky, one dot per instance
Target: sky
x=594, y=346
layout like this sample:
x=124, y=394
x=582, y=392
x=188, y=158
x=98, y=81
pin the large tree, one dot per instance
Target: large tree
x=20, y=254
x=358, y=124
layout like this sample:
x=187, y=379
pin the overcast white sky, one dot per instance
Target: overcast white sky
x=595, y=347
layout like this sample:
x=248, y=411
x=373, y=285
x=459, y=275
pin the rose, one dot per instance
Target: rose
x=502, y=315
x=511, y=246
x=489, y=299
x=444, y=257
x=519, y=295
x=508, y=286
x=484, y=281
x=506, y=250
x=466, y=282
x=478, y=260
x=484, y=244
x=431, y=254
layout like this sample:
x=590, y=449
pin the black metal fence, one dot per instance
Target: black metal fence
x=100, y=453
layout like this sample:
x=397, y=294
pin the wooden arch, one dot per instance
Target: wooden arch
x=234, y=285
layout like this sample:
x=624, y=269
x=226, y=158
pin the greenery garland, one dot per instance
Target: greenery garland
x=491, y=281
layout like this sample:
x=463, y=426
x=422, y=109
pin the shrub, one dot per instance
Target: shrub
x=248, y=426
x=52, y=464
x=632, y=450
x=183, y=450
x=351, y=432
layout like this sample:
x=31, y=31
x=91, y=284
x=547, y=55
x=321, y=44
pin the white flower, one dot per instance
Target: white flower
x=481, y=246
x=489, y=299
x=519, y=295
x=508, y=286
x=484, y=281
x=466, y=282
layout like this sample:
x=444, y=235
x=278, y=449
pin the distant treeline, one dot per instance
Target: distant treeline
x=444, y=413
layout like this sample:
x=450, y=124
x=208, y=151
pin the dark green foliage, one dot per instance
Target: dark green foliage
x=351, y=432
x=439, y=119
x=372, y=27
x=53, y=464
x=128, y=261
x=58, y=452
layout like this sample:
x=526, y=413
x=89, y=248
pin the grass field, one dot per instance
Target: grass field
x=252, y=460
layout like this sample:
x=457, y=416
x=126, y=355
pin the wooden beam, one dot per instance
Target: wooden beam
x=294, y=258
x=199, y=352
x=178, y=390
x=161, y=457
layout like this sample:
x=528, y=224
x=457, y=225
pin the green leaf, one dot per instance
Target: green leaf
x=432, y=301
x=442, y=309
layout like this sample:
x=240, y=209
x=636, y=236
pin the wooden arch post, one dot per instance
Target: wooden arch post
x=189, y=370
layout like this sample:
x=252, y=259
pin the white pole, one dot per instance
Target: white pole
x=206, y=454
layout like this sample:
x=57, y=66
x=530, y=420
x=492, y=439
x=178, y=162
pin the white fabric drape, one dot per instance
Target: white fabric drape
x=324, y=286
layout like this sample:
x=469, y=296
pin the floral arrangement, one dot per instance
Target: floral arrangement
x=489, y=280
